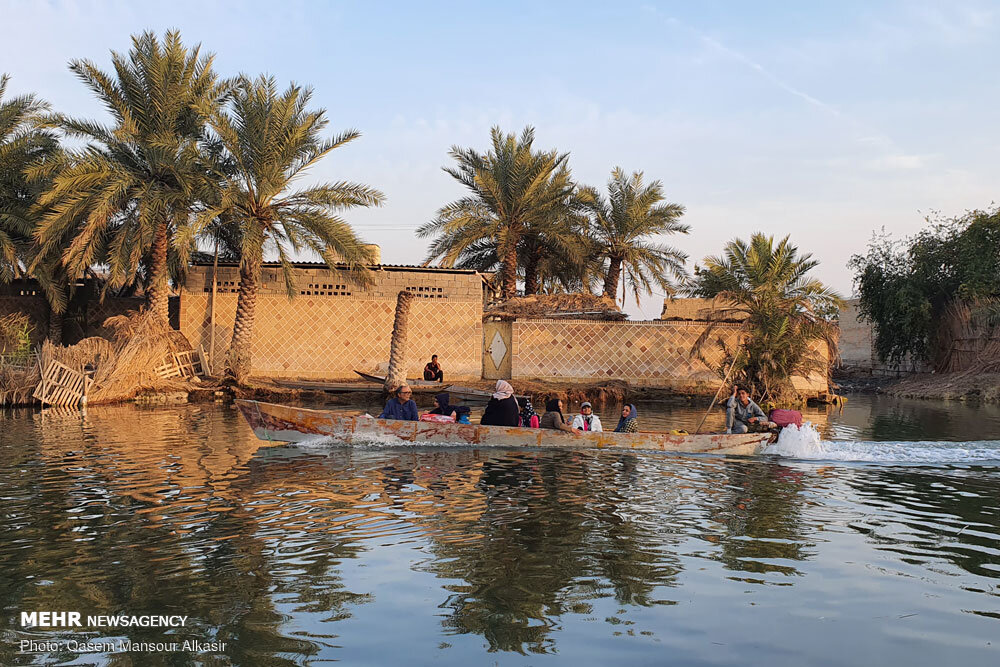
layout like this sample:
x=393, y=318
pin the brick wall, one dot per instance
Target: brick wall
x=328, y=338
x=857, y=352
x=855, y=338
x=333, y=326
x=84, y=318
x=387, y=282
x=654, y=353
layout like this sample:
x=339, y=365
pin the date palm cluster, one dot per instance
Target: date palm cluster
x=189, y=160
x=524, y=218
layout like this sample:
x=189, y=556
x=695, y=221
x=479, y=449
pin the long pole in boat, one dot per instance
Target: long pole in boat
x=215, y=282
x=725, y=382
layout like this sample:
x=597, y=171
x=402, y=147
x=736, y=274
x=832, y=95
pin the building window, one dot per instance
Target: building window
x=426, y=291
x=326, y=289
x=224, y=287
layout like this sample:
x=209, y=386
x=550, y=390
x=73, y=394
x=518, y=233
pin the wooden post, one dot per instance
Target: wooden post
x=215, y=282
x=396, y=376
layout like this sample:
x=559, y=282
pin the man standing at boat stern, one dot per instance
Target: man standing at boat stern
x=742, y=414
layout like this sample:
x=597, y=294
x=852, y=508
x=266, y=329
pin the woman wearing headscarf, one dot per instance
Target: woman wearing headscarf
x=443, y=405
x=529, y=418
x=502, y=408
x=628, y=423
x=553, y=417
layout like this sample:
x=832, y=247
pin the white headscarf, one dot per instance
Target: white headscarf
x=504, y=390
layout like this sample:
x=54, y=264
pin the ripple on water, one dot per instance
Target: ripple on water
x=310, y=553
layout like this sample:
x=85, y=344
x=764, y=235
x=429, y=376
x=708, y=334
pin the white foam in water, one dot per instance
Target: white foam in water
x=806, y=443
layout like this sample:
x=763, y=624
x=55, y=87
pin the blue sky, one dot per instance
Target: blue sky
x=826, y=121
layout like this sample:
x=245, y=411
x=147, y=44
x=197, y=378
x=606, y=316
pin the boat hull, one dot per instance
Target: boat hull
x=284, y=423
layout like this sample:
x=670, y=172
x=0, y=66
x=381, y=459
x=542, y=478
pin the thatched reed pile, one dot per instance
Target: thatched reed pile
x=18, y=370
x=17, y=383
x=565, y=306
x=967, y=338
x=126, y=365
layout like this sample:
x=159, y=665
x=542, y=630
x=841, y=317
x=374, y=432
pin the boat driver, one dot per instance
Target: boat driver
x=743, y=415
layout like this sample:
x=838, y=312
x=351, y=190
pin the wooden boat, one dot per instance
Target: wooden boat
x=284, y=423
x=380, y=379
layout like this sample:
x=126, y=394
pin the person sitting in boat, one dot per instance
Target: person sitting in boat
x=502, y=410
x=587, y=420
x=529, y=418
x=401, y=406
x=742, y=414
x=443, y=405
x=629, y=420
x=432, y=371
x=553, y=417
x=462, y=414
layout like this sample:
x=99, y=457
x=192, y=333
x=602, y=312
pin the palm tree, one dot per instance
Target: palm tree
x=23, y=146
x=552, y=253
x=512, y=189
x=271, y=139
x=555, y=248
x=133, y=186
x=766, y=286
x=29, y=156
x=622, y=225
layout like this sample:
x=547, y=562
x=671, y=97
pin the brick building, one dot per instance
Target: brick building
x=333, y=325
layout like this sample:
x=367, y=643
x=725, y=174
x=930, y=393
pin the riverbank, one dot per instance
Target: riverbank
x=964, y=386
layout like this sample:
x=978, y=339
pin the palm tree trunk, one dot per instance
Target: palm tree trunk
x=238, y=361
x=531, y=276
x=612, y=278
x=396, y=377
x=508, y=271
x=158, y=292
x=55, y=333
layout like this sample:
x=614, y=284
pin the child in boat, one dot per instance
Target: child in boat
x=443, y=405
x=553, y=417
x=587, y=420
x=401, y=406
x=502, y=410
x=529, y=418
x=629, y=420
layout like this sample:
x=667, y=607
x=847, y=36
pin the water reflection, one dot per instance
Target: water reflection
x=281, y=552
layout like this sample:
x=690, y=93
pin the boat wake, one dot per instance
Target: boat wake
x=806, y=443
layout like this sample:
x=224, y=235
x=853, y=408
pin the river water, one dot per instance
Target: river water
x=872, y=539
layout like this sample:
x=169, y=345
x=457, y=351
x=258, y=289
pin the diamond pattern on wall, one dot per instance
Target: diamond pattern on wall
x=498, y=349
x=656, y=353
x=322, y=337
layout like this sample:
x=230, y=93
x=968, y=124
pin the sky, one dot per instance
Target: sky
x=825, y=121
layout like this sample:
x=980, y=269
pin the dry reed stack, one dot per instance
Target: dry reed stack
x=965, y=341
x=145, y=354
x=18, y=365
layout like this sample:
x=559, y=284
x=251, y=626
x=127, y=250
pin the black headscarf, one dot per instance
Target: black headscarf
x=442, y=400
x=552, y=405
